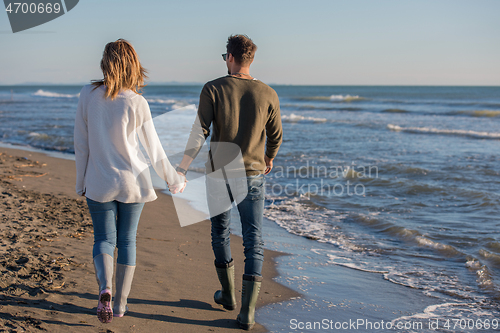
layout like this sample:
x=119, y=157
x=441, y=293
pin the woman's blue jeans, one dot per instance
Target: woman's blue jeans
x=115, y=225
x=251, y=211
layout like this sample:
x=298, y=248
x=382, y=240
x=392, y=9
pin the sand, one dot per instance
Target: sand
x=47, y=277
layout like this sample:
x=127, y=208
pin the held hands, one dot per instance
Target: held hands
x=179, y=187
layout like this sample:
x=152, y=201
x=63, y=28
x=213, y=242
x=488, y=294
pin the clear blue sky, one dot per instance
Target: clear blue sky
x=355, y=42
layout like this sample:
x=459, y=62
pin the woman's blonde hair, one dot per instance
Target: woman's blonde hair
x=121, y=68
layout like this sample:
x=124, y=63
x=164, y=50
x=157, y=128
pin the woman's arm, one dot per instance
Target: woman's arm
x=159, y=160
x=81, y=144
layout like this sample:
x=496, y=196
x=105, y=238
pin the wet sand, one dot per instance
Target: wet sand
x=47, y=277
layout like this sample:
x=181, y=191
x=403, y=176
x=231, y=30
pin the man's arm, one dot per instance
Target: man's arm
x=274, y=133
x=200, y=130
x=185, y=163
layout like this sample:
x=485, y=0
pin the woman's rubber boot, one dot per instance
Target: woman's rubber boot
x=103, y=264
x=249, y=296
x=226, y=297
x=123, y=278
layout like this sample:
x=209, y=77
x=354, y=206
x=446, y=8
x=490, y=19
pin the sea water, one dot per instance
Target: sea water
x=397, y=181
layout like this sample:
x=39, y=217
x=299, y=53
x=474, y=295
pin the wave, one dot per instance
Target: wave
x=466, y=113
x=333, y=98
x=406, y=234
x=293, y=118
x=327, y=226
x=483, y=273
x=161, y=101
x=299, y=218
x=346, y=98
x=434, y=283
x=493, y=258
x=318, y=107
x=44, y=93
x=42, y=136
x=431, y=130
x=468, y=312
x=428, y=243
x=479, y=113
x=44, y=141
x=486, y=113
x=493, y=246
x=346, y=262
x=402, y=169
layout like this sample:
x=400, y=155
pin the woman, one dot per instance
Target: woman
x=112, y=173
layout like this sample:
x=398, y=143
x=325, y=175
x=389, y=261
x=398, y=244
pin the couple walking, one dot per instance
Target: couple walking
x=112, y=173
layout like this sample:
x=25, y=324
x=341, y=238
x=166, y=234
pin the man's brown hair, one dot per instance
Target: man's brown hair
x=242, y=48
x=121, y=68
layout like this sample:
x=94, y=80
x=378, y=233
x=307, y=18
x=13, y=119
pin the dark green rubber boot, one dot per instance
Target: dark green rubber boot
x=226, y=297
x=249, y=296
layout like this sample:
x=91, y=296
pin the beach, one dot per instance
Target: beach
x=48, y=281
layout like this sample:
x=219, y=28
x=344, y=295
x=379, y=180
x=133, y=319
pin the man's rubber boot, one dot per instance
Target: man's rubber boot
x=123, y=278
x=226, y=297
x=249, y=296
x=103, y=264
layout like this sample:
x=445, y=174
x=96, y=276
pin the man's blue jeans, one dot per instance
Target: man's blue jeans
x=115, y=225
x=251, y=211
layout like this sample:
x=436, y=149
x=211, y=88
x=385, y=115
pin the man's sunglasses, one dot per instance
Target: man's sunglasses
x=224, y=56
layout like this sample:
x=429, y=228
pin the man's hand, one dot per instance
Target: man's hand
x=269, y=164
x=178, y=188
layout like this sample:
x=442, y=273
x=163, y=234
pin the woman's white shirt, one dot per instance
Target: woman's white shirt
x=109, y=162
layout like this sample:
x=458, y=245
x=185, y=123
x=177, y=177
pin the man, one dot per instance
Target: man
x=243, y=111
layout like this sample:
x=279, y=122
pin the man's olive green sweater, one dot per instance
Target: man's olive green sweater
x=243, y=112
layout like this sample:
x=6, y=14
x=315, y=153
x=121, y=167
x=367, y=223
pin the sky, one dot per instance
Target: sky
x=331, y=42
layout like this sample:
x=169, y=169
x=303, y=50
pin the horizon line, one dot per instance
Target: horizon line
x=179, y=83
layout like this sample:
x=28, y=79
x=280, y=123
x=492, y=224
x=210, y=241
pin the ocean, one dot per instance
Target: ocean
x=400, y=182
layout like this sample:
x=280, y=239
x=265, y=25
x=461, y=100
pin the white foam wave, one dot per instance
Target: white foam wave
x=346, y=98
x=40, y=136
x=406, y=234
x=473, y=263
x=426, y=242
x=431, y=130
x=300, y=219
x=464, y=312
x=347, y=262
x=161, y=101
x=485, y=278
x=481, y=113
x=432, y=283
x=294, y=118
x=44, y=93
